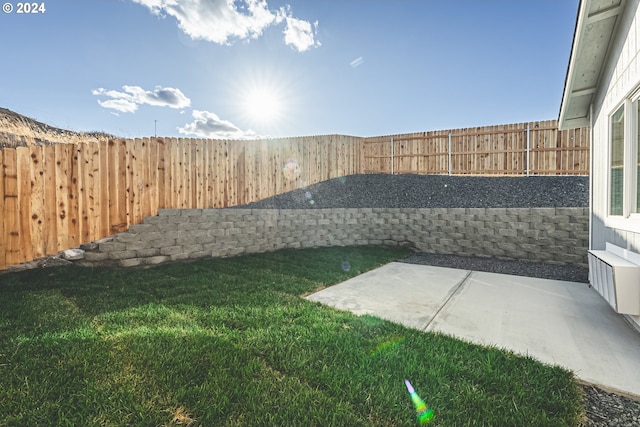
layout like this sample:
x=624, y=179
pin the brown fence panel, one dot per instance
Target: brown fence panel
x=490, y=150
x=377, y=154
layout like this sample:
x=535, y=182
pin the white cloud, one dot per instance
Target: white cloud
x=122, y=105
x=128, y=101
x=221, y=21
x=209, y=125
x=299, y=34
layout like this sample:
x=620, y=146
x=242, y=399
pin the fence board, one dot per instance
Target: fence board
x=11, y=208
x=161, y=173
x=146, y=196
x=74, y=200
x=63, y=158
x=37, y=204
x=118, y=212
x=3, y=236
x=24, y=201
x=87, y=216
x=50, y=207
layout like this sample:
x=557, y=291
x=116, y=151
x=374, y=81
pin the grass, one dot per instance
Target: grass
x=229, y=342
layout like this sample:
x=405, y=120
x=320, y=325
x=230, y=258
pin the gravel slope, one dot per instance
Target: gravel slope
x=602, y=408
x=434, y=191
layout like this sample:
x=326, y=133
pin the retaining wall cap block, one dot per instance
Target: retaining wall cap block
x=96, y=256
x=145, y=253
x=73, y=254
x=126, y=237
x=112, y=246
x=89, y=246
x=130, y=262
x=169, y=212
x=156, y=259
x=171, y=250
x=122, y=254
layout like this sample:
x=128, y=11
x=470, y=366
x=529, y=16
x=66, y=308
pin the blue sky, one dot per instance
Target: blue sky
x=253, y=68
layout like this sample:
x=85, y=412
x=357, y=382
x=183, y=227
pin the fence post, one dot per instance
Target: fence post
x=528, y=149
x=449, y=154
x=392, y=153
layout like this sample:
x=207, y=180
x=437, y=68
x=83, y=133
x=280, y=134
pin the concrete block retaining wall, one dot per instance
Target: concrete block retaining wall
x=557, y=235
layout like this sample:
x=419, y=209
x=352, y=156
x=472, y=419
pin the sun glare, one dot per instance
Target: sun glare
x=263, y=105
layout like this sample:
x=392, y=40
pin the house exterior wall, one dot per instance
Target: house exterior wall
x=620, y=79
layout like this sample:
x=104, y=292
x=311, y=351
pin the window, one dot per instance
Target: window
x=616, y=178
x=624, y=161
x=637, y=158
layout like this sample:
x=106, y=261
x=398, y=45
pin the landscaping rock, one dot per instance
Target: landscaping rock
x=73, y=254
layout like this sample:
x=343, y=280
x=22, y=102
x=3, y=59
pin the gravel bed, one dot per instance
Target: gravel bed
x=571, y=273
x=434, y=191
x=605, y=409
x=602, y=408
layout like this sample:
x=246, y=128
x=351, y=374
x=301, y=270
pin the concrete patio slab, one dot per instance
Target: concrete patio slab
x=557, y=322
x=408, y=294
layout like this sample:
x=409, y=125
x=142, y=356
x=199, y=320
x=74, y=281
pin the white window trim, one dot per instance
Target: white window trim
x=628, y=221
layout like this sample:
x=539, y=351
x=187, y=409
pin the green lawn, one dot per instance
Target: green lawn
x=229, y=342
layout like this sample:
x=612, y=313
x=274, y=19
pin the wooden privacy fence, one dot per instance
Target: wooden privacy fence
x=535, y=148
x=57, y=197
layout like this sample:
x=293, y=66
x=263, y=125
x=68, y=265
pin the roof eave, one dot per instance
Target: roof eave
x=599, y=18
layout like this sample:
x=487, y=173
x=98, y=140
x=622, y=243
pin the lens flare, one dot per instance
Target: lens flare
x=386, y=345
x=423, y=414
x=291, y=169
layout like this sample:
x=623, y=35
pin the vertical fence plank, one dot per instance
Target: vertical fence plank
x=217, y=172
x=198, y=184
x=154, y=153
x=178, y=174
x=3, y=236
x=171, y=156
x=24, y=203
x=134, y=181
x=11, y=218
x=146, y=196
x=117, y=186
x=91, y=202
x=102, y=181
x=63, y=160
x=162, y=175
x=74, y=196
x=50, y=205
x=208, y=173
x=87, y=216
x=36, y=155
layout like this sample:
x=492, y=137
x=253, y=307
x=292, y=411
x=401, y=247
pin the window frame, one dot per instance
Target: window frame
x=630, y=218
x=625, y=137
